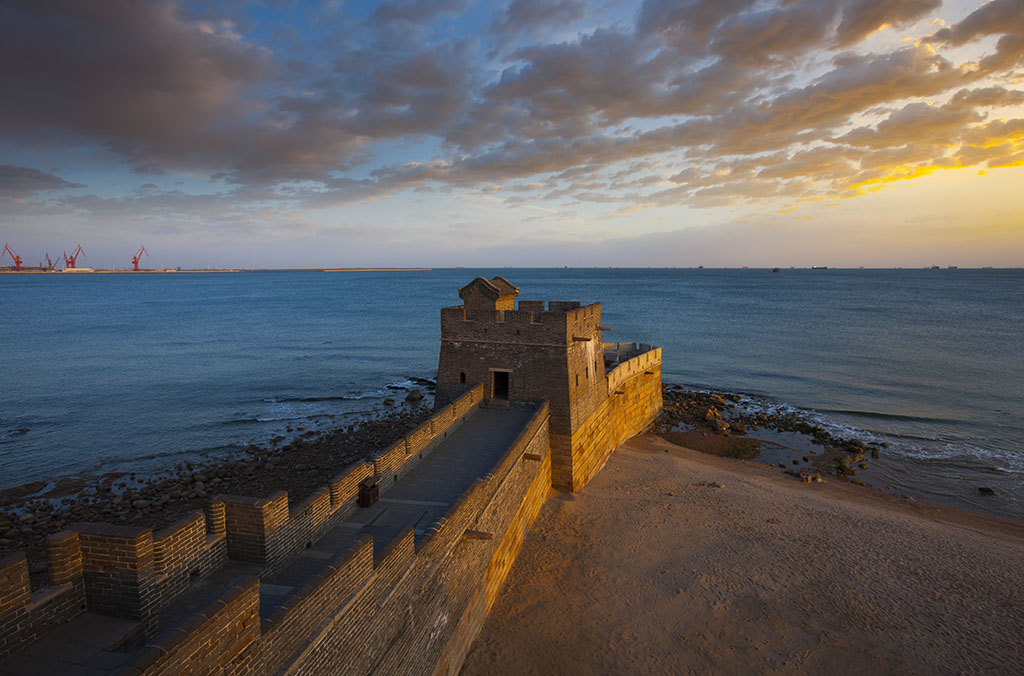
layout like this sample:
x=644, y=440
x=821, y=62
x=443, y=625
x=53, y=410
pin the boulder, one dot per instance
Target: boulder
x=414, y=396
x=985, y=490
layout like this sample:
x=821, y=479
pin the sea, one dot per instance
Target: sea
x=136, y=373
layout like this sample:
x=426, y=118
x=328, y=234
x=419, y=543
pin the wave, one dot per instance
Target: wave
x=406, y=384
x=249, y=421
x=939, y=449
x=310, y=400
x=883, y=416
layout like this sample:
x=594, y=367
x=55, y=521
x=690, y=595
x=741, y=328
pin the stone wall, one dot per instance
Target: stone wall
x=633, y=401
x=553, y=354
x=414, y=610
x=133, y=572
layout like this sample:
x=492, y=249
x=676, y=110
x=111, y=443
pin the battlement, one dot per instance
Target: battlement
x=134, y=573
x=393, y=565
x=560, y=324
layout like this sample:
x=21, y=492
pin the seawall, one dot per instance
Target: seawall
x=327, y=585
x=412, y=604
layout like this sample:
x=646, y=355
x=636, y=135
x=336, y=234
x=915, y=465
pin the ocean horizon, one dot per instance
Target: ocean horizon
x=139, y=372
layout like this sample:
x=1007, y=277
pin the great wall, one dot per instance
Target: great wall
x=390, y=568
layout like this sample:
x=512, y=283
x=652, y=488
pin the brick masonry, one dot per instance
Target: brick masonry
x=552, y=351
x=418, y=605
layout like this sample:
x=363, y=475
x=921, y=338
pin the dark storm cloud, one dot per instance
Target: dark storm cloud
x=18, y=182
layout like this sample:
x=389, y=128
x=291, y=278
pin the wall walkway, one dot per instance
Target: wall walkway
x=323, y=587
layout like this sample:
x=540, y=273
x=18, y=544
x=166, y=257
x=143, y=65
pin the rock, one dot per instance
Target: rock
x=985, y=490
x=389, y=402
x=738, y=427
x=414, y=396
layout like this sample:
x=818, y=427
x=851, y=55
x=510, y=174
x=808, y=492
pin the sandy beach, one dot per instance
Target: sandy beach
x=675, y=562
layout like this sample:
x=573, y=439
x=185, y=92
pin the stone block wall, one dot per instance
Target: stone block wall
x=413, y=610
x=630, y=406
x=134, y=572
x=552, y=355
x=211, y=641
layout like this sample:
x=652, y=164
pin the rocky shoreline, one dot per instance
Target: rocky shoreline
x=301, y=466
x=718, y=423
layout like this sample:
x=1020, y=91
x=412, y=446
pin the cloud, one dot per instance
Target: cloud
x=416, y=11
x=124, y=72
x=998, y=17
x=19, y=182
x=525, y=16
x=863, y=17
x=697, y=102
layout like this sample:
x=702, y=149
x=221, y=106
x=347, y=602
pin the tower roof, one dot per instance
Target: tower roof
x=488, y=288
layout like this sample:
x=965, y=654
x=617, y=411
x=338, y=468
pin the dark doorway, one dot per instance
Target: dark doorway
x=499, y=389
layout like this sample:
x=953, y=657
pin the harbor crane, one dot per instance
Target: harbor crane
x=137, y=256
x=49, y=264
x=70, y=261
x=15, y=257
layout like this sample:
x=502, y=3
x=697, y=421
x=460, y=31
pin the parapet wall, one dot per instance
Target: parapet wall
x=414, y=610
x=133, y=572
x=634, y=400
x=529, y=325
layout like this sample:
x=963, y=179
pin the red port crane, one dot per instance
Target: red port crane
x=70, y=261
x=49, y=264
x=137, y=256
x=15, y=257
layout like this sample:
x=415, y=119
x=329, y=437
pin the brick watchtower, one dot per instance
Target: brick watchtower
x=527, y=354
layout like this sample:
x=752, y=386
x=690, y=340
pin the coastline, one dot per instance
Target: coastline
x=738, y=426
x=676, y=561
x=713, y=423
x=155, y=500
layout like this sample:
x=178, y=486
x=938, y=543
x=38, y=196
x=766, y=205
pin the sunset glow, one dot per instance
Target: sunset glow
x=522, y=132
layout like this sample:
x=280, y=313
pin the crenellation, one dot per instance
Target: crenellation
x=64, y=557
x=416, y=605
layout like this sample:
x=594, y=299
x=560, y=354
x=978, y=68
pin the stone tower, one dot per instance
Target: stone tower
x=540, y=350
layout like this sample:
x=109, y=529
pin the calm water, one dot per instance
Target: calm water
x=136, y=372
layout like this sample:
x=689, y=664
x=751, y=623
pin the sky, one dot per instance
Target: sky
x=521, y=133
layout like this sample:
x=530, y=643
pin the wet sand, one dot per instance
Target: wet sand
x=675, y=562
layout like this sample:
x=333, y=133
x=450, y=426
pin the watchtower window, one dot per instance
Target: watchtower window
x=577, y=380
x=462, y=376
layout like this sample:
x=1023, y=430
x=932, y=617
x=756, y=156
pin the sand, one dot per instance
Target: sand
x=682, y=563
